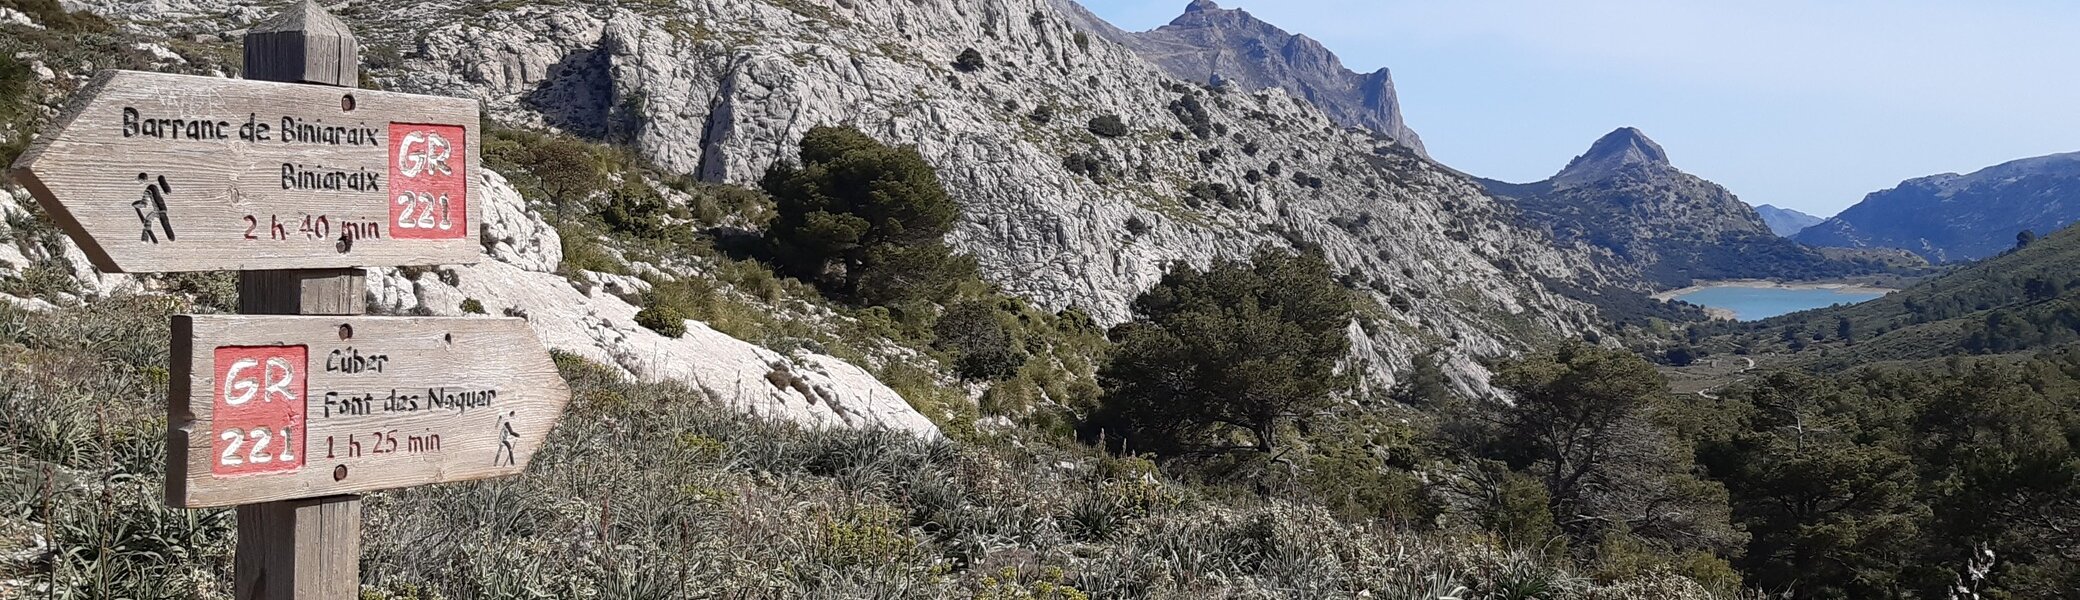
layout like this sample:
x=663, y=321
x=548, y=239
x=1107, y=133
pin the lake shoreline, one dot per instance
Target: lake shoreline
x=1844, y=287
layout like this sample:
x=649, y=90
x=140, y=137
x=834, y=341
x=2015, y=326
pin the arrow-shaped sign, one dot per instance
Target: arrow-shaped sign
x=265, y=408
x=152, y=172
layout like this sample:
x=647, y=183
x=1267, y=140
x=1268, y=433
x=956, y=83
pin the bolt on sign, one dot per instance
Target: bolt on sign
x=265, y=408
x=153, y=172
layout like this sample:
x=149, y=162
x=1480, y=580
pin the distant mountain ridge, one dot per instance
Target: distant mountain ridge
x=1952, y=218
x=1671, y=227
x=1210, y=44
x=1786, y=222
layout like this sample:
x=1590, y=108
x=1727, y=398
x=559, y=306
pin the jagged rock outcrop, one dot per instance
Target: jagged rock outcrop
x=1952, y=218
x=1210, y=44
x=1785, y=222
x=1052, y=211
x=1670, y=227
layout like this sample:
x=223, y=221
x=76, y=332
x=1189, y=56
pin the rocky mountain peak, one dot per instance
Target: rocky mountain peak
x=1671, y=226
x=1208, y=43
x=1627, y=146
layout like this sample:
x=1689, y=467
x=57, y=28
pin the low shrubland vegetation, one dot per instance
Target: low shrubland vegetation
x=657, y=491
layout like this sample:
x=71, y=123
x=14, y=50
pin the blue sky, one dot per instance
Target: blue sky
x=1803, y=104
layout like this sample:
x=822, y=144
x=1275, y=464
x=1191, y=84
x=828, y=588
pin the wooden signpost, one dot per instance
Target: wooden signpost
x=265, y=408
x=298, y=181
x=181, y=173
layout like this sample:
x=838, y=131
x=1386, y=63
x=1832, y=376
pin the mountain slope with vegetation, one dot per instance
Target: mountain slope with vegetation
x=1927, y=440
x=1957, y=218
x=2024, y=300
x=1671, y=228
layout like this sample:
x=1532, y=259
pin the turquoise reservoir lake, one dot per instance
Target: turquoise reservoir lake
x=1751, y=303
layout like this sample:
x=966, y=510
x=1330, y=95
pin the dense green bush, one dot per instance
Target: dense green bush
x=636, y=209
x=1225, y=358
x=864, y=221
x=1887, y=482
x=982, y=344
x=665, y=319
x=1202, y=194
x=1088, y=165
x=969, y=61
x=1136, y=226
x=1193, y=115
x=1583, y=423
x=1109, y=126
x=569, y=171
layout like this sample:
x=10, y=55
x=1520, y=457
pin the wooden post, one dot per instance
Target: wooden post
x=301, y=549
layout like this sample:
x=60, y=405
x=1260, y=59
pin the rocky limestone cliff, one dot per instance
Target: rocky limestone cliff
x=1953, y=218
x=1053, y=212
x=1670, y=227
x=1211, y=44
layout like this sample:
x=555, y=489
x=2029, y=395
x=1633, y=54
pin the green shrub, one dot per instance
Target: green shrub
x=1202, y=194
x=583, y=252
x=969, y=61
x=665, y=319
x=1090, y=166
x=1224, y=358
x=472, y=306
x=1136, y=226
x=214, y=289
x=864, y=221
x=637, y=210
x=1516, y=507
x=1193, y=115
x=1109, y=126
x=1302, y=179
x=982, y=344
x=568, y=170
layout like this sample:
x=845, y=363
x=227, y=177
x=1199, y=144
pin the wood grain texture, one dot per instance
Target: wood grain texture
x=304, y=44
x=303, y=292
x=304, y=549
x=235, y=204
x=423, y=416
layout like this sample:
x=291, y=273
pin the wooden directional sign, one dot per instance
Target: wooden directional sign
x=265, y=408
x=152, y=172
